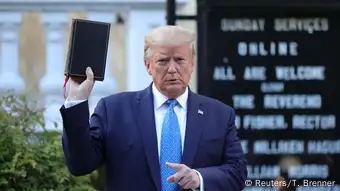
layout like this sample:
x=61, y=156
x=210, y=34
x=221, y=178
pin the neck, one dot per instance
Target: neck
x=174, y=94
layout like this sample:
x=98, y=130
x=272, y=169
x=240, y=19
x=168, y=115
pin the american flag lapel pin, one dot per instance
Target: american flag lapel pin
x=200, y=112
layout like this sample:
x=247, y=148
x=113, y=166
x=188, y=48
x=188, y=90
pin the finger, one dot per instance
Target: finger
x=89, y=74
x=171, y=179
x=176, y=167
x=175, y=178
x=183, y=181
x=178, y=177
x=187, y=185
x=189, y=180
x=71, y=84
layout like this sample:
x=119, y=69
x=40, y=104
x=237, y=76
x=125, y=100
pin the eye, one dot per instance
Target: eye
x=162, y=61
x=180, y=60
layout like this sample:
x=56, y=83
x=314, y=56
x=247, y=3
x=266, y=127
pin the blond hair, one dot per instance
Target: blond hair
x=170, y=36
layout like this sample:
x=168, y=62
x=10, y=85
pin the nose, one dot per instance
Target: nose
x=172, y=66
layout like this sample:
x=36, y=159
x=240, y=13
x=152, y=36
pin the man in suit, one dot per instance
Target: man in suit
x=162, y=138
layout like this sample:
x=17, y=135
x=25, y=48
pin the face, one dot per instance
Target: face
x=170, y=68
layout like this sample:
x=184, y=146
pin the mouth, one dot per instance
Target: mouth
x=173, y=81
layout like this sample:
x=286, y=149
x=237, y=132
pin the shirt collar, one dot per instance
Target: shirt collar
x=160, y=99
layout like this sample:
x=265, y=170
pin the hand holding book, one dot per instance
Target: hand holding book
x=81, y=91
x=86, y=58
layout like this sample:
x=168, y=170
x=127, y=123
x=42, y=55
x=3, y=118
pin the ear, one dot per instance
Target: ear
x=147, y=66
x=193, y=64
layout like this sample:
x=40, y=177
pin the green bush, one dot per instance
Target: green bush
x=31, y=161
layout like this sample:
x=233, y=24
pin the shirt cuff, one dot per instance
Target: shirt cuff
x=68, y=104
x=201, y=182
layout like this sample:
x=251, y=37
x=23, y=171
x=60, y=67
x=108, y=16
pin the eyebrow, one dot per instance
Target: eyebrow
x=162, y=56
x=179, y=56
x=163, y=53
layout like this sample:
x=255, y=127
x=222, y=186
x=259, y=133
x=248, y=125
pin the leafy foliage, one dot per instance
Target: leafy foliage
x=31, y=161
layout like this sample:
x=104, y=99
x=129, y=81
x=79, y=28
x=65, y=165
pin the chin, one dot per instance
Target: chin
x=175, y=89
x=174, y=86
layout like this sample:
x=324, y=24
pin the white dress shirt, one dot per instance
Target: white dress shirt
x=159, y=110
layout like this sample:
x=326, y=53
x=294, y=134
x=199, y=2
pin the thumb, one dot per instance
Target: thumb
x=89, y=74
x=171, y=179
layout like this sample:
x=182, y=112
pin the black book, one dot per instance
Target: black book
x=88, y=46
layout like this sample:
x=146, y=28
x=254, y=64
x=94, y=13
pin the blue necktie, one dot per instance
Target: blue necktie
x=171, y=146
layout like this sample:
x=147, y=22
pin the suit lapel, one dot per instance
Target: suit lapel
x=146, y=122
x=195, y=123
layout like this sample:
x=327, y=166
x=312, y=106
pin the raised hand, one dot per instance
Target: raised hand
x=81, y=91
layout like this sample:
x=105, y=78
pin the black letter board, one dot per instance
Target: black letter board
x=277, y=65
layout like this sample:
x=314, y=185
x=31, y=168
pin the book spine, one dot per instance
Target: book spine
x=70, y=48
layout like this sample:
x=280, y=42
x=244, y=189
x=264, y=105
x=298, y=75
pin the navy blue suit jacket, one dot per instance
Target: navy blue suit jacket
x=122, y=135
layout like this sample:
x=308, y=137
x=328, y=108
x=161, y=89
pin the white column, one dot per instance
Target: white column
x=139, y=23
x=52, y=82
x=10, y=78
x=108, y=86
